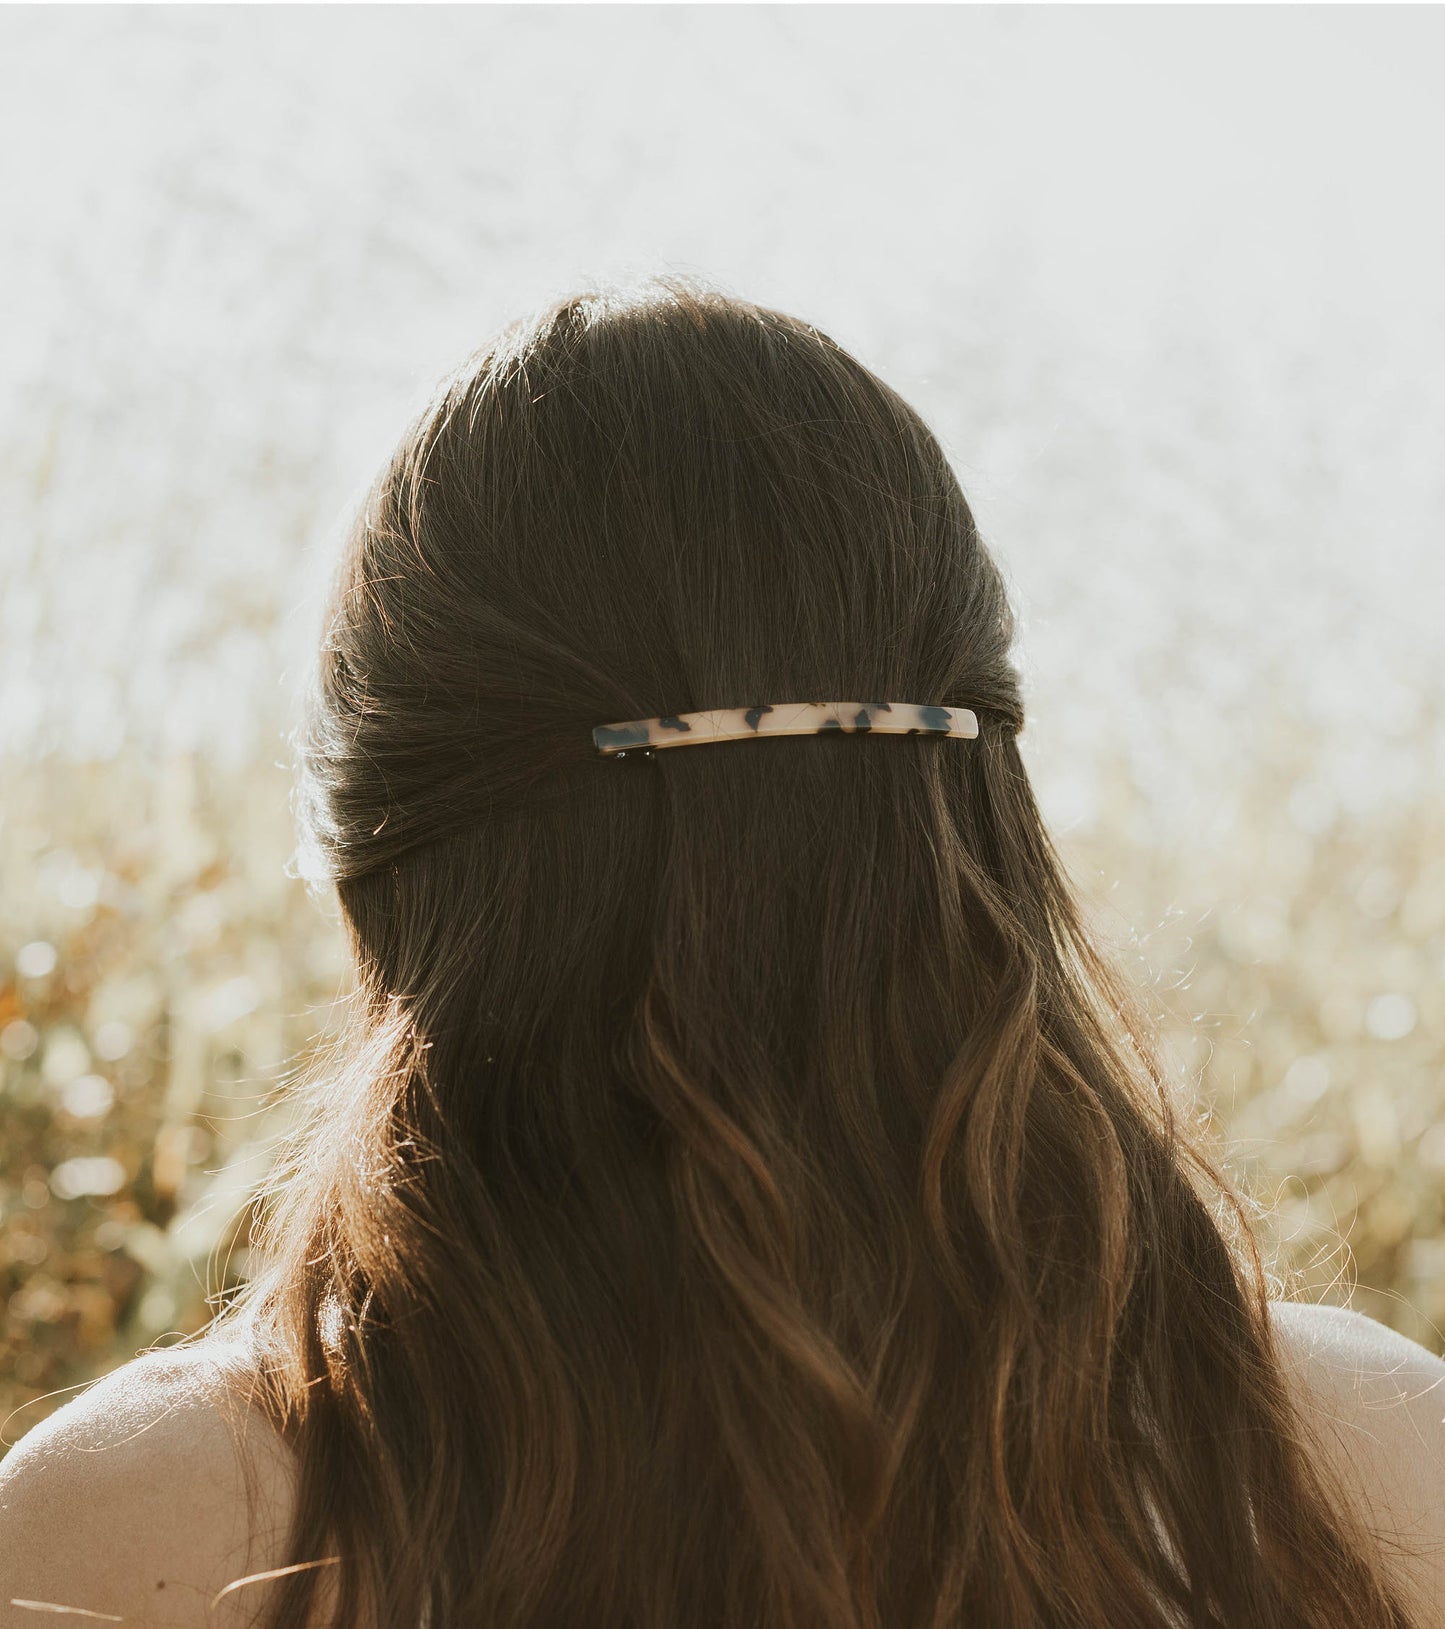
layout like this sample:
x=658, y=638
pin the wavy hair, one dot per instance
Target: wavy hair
x=745, y=1194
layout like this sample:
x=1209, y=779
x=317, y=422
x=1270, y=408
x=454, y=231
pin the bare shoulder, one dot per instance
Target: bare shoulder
x=143, y=1497
x=1374, y=1402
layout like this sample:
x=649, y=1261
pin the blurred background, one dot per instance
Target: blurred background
x=1166, y=281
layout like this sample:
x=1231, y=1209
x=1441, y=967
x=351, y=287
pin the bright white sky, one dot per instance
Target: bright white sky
x=1165, y=279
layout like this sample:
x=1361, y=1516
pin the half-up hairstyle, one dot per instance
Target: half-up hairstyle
x=745, y=1197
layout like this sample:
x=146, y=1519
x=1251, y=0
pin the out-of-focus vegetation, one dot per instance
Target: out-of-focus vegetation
x=1295, y=964
x=162, y=975
x=166, y=978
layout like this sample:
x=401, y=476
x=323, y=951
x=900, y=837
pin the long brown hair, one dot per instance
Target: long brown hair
x=746, y=1195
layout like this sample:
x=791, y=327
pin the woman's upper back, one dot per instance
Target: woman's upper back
x=132, y=1500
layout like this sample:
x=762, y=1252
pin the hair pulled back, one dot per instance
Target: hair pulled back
x=745, y=1197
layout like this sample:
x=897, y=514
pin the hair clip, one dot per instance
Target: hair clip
x=784, y=718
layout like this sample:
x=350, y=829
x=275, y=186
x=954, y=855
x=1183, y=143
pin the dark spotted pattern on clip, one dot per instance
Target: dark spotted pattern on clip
x=784, y=718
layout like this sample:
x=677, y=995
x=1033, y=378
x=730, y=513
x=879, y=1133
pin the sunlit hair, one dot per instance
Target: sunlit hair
x=745, y=1196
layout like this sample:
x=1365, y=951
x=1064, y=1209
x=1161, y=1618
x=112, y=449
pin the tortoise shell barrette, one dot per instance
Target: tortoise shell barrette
x=783, y=718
